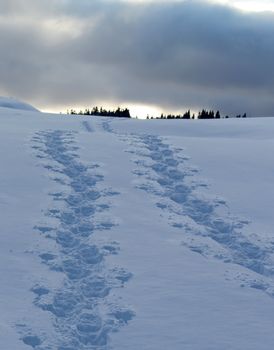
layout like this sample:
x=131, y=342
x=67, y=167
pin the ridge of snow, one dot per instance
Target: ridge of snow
x=12, y=103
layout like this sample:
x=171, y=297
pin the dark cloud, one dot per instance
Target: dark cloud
x=175, y=55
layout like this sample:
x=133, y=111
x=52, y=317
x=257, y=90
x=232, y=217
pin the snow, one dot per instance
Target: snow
x=12, y=103
x=135, y=234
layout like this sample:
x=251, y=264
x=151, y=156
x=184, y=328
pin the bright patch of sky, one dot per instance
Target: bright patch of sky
x=250, y=6
x=244, y=5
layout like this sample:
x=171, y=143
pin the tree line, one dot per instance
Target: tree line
x=102, y=112
x=125, y=113
x=204, y=114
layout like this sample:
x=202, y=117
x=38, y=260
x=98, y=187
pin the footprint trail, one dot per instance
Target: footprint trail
x=208, y=227
x=84, y=314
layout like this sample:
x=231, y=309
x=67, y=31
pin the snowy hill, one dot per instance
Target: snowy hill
x=136, y=234
x=9, y=102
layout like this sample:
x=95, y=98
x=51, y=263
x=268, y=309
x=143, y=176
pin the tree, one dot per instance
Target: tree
x=186, y=115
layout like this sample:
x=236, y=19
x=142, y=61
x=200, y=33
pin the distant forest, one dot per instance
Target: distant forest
x=119, y=112
x=204, y=114
x=125, y=113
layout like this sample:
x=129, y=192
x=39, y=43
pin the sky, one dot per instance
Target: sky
x=153, y=56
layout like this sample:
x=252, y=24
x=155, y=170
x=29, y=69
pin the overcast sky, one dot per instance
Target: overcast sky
x=172, y=55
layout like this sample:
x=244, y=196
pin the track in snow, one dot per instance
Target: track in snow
x=163, y=173
x=83, y=314
x=87, y=126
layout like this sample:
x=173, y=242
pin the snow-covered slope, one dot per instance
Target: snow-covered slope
x=127, y=234
x=9, y=102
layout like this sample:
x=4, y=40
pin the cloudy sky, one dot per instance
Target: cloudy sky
x=150, y=55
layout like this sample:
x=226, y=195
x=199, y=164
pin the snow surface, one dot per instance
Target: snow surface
x=130, y=234
x=9, y=102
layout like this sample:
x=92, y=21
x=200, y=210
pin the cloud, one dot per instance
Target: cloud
x=174, y=55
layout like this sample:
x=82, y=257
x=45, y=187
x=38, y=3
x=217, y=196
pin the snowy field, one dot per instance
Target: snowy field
x=135, y=234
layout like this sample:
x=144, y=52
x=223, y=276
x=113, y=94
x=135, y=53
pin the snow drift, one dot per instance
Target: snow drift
x=12, y=103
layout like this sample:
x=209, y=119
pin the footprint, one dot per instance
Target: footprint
x=32, y=341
